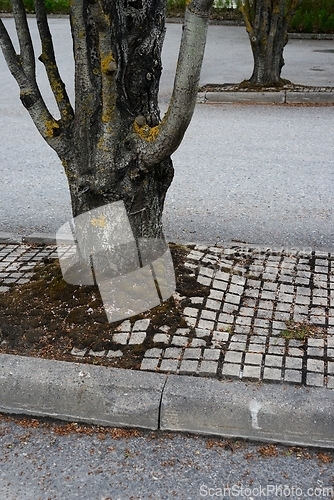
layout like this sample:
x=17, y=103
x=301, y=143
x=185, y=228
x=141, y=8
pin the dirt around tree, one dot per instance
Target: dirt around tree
x=47, y=317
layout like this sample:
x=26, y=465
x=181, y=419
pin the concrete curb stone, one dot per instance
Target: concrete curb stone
x=116, y=397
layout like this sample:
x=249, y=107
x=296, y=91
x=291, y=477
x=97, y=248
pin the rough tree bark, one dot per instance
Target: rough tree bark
x=267, y=24
x=112, y=142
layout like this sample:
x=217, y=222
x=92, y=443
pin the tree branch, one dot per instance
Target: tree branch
x=11, y=58
x=48, y=59
x=27, y=55
x=29, y=93
x=83, y=76
x=156, y=143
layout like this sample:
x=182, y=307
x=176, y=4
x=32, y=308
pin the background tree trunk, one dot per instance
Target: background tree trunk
x=267, y=23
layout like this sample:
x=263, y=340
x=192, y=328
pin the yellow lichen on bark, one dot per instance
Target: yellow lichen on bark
x=146, y=132
x=50, y=126
x=105, y=62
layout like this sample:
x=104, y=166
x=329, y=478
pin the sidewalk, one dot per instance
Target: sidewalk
x=238, y=369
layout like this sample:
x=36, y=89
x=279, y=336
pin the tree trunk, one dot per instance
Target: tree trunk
x=113, y=144
x=267, y=24
x=124, y=44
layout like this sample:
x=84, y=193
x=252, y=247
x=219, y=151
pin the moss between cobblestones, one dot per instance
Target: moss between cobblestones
x=47, y=317
x=301, y=331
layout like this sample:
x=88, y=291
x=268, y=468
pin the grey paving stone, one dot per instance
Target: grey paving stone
x=141, y=325
x=210, y=315
x=293, y=376
x=78, y=352
x=237, y=346
x=216, y=294
x=286, y=289
x=271, y=287
x=213, y=304
x=190, y=321
x=149, y=364
x=182, y=331
x=262, y=323
x=125, y=326
x=202, y=332
x=246, y=311
x=162, y=338
x=293, y=363
x=257, y=331
x=206, y=271
x=301, y=309
x=191, y=311
x=226, y=318
x=192, y=353
x=330, y=368
x=208, y=368
x=301, y=290
x=121, y=338
x=233, y=357
x=295, y=343
x=243, y=321
x=267, y=295
x=279, y=325
x=252, y=293
x=315, y=365
x=281, y=316
x=242, y=329
x=253, y=358
x=232, y=299
x=188, y=367
x=4, y=289
x=283, y=307
x=276, y=350
x=195, y=255
x=238, y=281
x=220, y=336
x=330, y=382
x=153, y=353
x=285, y=297
x=179, y=341
x=98, y=354
x=315, y=351
x=231, y=370
x=236, y=290
x=315, y=379
x=270, y=373
x=137, y=338
x=273, y=360
x=206, y=324
x=168, y=365
x=203, y=280
x=251, y=372
x=197, y=343
x=302, y=281
x=211, y=354
x=260, y=348
x=222, y=276
x=239, y=338
x=230, y=308
x=315, y=342
x=264, y=314
x=173, y=352
x=197, y=300
x=258, y=339
x=219, y=285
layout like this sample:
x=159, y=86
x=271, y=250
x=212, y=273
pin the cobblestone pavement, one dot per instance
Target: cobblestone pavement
x=259, y=301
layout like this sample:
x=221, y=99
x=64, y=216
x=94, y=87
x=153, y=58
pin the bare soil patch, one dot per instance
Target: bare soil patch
x=47, y=317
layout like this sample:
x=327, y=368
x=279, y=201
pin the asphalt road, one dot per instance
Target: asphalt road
x=260, y=174
x=47, y=461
